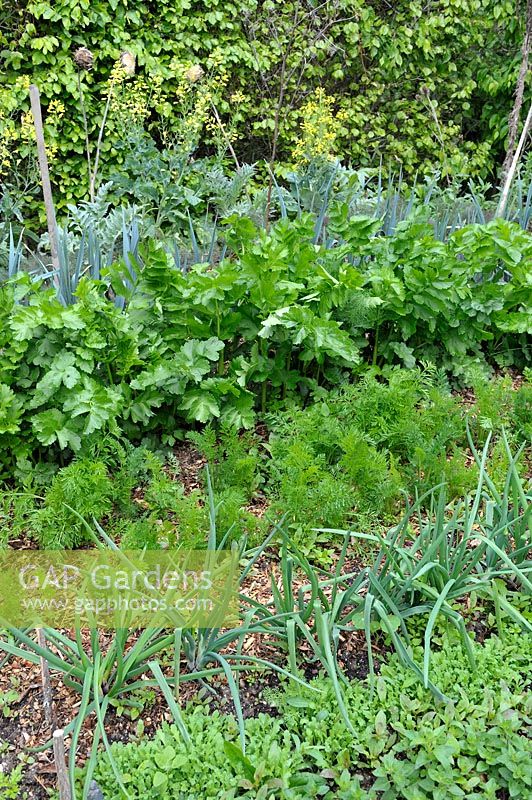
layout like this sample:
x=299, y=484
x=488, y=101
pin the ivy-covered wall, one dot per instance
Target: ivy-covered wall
x=419, y=83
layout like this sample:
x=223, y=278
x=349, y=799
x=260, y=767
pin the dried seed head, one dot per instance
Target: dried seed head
x=127, y=61
x=194, y=74
x=83, y=58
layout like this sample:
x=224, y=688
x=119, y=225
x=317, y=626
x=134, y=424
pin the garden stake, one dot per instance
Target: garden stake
x=48, y=702
x=513, y=121
x=45, y=174
x=63, y=783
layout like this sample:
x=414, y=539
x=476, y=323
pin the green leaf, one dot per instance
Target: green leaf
x=165, y=758
x=238, y=412
x=202, y=406
x=405, y=353
x=10, y=410
x=297, y=702
x=52, y=426
x=238, y=760
x=278, y=318
x=99, y=404
x=381, y=723
x=62, y=371
x=160, y=781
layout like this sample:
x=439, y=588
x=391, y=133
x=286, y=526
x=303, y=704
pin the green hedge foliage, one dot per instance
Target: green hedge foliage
x=417, y=84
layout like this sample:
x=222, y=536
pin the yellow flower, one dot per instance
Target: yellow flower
x=319, y=129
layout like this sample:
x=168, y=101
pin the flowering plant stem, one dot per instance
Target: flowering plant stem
x=86, y=131
x=224, y=134
x=100, y=140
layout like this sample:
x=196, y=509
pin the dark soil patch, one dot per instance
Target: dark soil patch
x=255, y=695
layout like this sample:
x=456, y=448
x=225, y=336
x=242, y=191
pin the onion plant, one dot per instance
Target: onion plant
x=101, y=670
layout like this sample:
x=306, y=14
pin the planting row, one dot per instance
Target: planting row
x=346, y=459
x=150, y=349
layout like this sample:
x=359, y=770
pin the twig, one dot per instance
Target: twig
x=100, y=139
x=285, y=31
x=45, y=174
x=225, y=135
x=277, y=118
x=424, y=93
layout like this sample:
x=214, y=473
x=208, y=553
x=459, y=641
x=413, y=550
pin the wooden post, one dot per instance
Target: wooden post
x=63, y=782
x=45, y=174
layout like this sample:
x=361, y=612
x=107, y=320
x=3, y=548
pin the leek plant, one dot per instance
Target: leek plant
x=426, y=567
x=430, y=562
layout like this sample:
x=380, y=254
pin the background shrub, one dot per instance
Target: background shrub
x=418, y=85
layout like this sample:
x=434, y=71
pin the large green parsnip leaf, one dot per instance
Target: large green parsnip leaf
x=53, y=426
x=62, y=371
x=98, y=405
x=11, y=409
x=202, y=406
